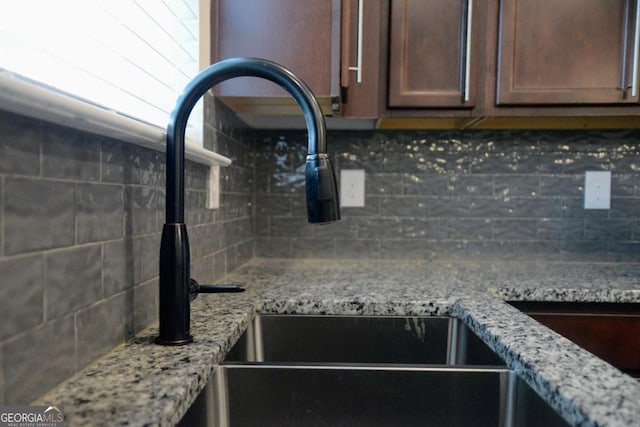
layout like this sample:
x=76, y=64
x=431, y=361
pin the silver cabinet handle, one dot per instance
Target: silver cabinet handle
x=467, y=60
x=358, y=67
x=636, y=46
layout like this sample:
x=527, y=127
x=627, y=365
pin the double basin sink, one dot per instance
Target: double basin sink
x=288, y=370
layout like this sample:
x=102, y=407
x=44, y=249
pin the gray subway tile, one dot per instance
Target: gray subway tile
x=291, y=226
x=519, y=162
x=623, y=185
x=579, y=162
x=236, y=179
x=347, y=227
x=145, y=305
x=444, y=207
x=560, y=229
x=489, y=207
x=404, y=249
x=358, y=248
x=608, y=229
x=383, y=183
x=141, y=210
x=237, y=231
x=121, y=265
x=194, y=209
x=219, y=264
x=515, y=229
x=38, y=214
x=22, y=291
x=624, y=252
x=536, y=207
x=239, y=254
x=371, y=208
x=120, y=162
x=149, y=254
x=406, y=206
x=215, y=237
x=272, y=247
x=29, y=373
x=73, y=279
x=70, y=154
x=202, y=269
x=573, y=207
x=582, y=250
x=313, y=248
x=635, y=230
x=625, y=162
x=99, y=212
x=425, y=184
x=269, y=205
x=566, y=186
x=471, y=185
x=378, y=227
x=625, y=207
x=152, y=166
x=101, y=327
x=536, y=250
x=19, y=145
x=232, y=206
x=198, y=241
x=517, y=185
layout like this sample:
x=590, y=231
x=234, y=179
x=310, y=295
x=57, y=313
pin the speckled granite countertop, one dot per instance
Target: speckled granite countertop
x=145, y=384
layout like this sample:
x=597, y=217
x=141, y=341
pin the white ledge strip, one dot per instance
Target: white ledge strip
x=24, y=97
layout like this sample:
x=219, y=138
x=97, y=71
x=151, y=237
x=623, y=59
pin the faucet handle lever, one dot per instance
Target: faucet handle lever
x=195, y=288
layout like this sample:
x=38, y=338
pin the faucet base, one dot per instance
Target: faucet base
x=183, y=341
x=173, y=298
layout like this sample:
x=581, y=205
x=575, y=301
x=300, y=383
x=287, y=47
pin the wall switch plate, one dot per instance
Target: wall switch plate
x=597, y=190
x=352, y=188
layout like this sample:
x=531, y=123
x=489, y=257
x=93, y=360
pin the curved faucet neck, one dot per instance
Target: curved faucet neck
x=211, y=76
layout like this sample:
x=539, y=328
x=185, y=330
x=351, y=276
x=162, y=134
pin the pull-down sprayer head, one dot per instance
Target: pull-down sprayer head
x=322, y=193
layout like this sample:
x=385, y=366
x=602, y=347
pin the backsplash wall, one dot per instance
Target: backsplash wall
x=80, y=223
x=456, y=195
x=81, y=215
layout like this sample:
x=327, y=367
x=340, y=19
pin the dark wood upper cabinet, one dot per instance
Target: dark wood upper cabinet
x=432, y=50
x=567, y=52
x=361, y=63
x=443, y=63
x=302, y=35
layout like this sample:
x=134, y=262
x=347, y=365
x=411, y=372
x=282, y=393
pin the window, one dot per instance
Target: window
x=131, y=56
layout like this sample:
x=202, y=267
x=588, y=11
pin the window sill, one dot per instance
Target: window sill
x=24, y=97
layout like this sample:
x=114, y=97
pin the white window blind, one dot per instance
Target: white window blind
x=130, y=56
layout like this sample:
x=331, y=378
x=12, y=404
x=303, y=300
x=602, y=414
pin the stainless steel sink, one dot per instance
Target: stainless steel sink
x=290, y=370
x=361, y=339
x=372, y=395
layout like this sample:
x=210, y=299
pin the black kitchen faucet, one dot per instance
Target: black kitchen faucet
x=176, y=285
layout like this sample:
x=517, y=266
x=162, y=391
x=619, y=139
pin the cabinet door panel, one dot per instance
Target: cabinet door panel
x=428, y=49
x=360, y=62
x=302, y=35
x=566, y=51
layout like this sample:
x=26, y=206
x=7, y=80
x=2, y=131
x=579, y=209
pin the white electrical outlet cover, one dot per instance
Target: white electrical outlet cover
x=597, y=190
x=352, y=188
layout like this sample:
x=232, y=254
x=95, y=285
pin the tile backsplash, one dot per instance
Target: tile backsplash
x=80, y=223
x=81, y=215
x=456, y=195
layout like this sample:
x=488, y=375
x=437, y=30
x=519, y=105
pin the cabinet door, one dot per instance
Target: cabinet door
x=432, y=46
x=360, y=58
x=302, y=35
x=568, y=52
